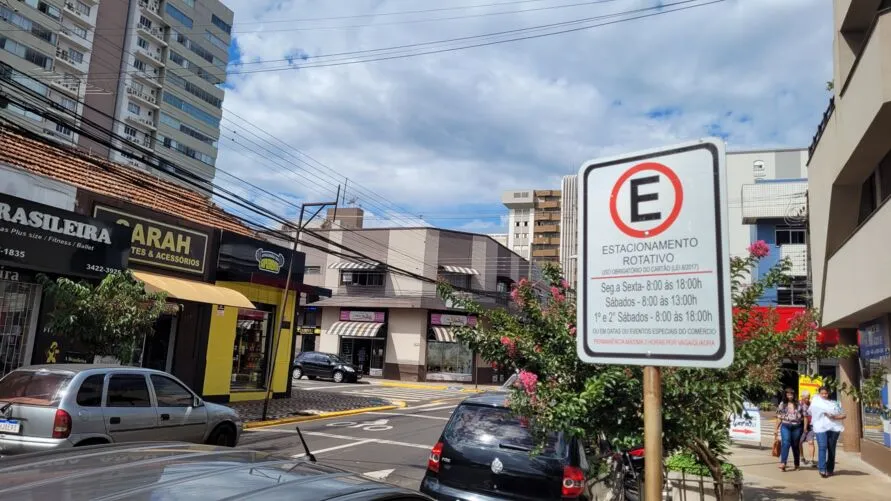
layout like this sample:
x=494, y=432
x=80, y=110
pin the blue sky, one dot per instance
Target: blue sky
x=443, y=135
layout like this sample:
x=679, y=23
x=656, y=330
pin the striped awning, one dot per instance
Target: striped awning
x=349, y=265
x=355, y=329
x=444, y=334
x=461, y=270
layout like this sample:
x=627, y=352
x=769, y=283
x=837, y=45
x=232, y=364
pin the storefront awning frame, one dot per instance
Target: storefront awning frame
x=353, y=266
x=459, y=270
x=347, y=329
x=190, y=290
x=444, y=334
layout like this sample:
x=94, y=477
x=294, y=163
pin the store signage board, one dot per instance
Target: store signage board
x=160, y=244
x=654, y=285
x=44, y=238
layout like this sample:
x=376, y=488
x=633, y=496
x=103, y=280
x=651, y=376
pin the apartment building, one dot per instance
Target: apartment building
x=46, y=49
x=746, y=172
x=534, y=224
x=171, y=56
x=849, y=185
x=394, y=325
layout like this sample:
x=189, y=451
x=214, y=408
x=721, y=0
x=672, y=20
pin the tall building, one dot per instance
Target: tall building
x=534, y=224
x=46, y=46
x=849, y=185
x=151, y=71
x=745, y=170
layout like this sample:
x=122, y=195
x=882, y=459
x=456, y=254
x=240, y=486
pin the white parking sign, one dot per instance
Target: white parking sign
x=654, y=278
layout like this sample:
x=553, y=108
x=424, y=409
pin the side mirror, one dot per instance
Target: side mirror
x=196, y=402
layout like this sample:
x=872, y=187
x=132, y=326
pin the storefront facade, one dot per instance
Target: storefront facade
x=875, y=363
x=242, y=345
x=447, y=359
x=37, y=238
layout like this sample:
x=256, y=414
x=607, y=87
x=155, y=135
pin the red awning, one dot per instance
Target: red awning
x=784, y=316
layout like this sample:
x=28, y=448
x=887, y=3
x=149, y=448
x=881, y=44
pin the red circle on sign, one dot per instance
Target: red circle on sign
x=672, y=216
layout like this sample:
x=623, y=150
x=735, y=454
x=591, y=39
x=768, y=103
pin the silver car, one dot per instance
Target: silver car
x=47, y=407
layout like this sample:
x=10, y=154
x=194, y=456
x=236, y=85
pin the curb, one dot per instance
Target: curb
x=323, y=415
x=420, y=386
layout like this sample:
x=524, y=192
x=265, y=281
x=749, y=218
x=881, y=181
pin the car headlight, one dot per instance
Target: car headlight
x=349, y=369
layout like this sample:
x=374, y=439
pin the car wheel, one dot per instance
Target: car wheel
x=297, y=373
x=223, y=436
x=338, y=377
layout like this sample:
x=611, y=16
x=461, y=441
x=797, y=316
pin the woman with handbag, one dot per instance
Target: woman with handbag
x=790, y=421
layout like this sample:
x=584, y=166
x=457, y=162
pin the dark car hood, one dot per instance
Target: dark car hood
x=172, y=472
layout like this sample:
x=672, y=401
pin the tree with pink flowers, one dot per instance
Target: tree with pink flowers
x=556, y=391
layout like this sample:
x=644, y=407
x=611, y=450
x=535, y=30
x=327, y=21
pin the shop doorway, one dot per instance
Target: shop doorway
x=367, y=354
x=158, y=353
x=308, y=343
x=253, y=337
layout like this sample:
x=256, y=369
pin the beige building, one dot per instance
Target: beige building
x=848, y=189
x=392, y=324
x=152, y=70
x=534, y=224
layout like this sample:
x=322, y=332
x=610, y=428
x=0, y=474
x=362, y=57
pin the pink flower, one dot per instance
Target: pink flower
x=528, y=381
x=524, y=421
x=571, y=329
x=564, y=284
x=510, y=345
x=524, y=282
x=495, y=365
x=514, y=294
x=537, y=348
x=759, y=249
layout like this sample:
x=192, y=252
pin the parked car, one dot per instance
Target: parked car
x=177, y=471
x=57, y=406
x=484, y=454
x=314, y=364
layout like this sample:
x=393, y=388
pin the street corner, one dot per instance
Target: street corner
x=317, y=416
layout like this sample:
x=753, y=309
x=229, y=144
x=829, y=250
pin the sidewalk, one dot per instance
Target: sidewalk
x=304, y=403
x=763, y=480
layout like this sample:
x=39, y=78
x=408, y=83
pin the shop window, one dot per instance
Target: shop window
x=457, y=280
x=312, y=270
x=786, y=236
x=448, y=358
x=90, y=392
x=170, y=393
x=250, y=351
x=127, y=390
x=362, y=278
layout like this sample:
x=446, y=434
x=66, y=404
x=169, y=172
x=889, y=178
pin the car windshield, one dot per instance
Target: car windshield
x=336, y=359
x=497, y=428
x=33, y=387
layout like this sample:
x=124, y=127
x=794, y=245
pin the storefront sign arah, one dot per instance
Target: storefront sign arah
x=44, y=238
x=159, y=244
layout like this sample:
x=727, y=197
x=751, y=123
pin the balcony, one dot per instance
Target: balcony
x=548, y=204
x=545, y=253
x=152, y=10
x=154, y=32
x=64, y=57
x=152, y=56
x=797, y=255
x=546, y=241
x=141, y=95
x=74, y=38
x=80, y=17
x=150, y=75
x=547, y=228
x=141, y=121
x=547, y=216
x=69, y=86
x=774, y=200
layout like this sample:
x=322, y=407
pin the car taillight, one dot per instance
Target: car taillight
x=638, y=453
x=435, y=458
x=62, y=424
x=573, y=482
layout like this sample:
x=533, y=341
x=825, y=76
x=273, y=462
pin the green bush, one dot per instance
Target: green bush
x=687, y=463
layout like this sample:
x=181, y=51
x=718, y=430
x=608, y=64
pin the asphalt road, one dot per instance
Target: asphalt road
x=411, y=396
x=391, y=446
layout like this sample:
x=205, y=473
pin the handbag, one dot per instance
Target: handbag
x=777, y=445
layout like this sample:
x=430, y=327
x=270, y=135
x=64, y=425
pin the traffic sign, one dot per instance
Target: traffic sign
x=654, y=266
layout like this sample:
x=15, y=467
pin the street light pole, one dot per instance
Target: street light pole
x=284, y=299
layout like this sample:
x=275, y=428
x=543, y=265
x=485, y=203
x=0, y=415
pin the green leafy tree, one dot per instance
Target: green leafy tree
x=556, y=391
x=112, y=318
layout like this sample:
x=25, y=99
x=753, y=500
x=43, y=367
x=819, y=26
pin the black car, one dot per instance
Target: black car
x=176, y=471
x=314, y=364
x=484, y=454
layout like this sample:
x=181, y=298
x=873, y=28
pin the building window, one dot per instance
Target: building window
x=867, y=198
x=251, y=349
x=138, y=64
x=145, y=23
x=192, y=110
x=63, y=129
x=219, y=23
x=26, y=53
x=216, y=41
x=129, y=131
x=185, y=129
x=791, y=296
x=196, y=91
x=76, y=56
x=178, y=15
x=457, y=280
x=133, y=108
x=190, y=3
x=312, y=270
x=362, y=278
x=82, y=8
x=49, y=10
x=68, y=103
x=885, y=177
x=26, y=24
x=142, y=42
x=448, y=361
x=786, y=236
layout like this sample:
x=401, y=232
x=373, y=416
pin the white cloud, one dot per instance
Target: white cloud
x=447, y=133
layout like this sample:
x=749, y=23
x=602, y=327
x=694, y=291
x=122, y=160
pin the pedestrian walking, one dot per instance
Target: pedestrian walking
x=827, y=416
x=790, y=423
x=807, y=434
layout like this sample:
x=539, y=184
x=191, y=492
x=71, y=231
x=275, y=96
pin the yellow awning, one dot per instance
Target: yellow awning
x=190, y=290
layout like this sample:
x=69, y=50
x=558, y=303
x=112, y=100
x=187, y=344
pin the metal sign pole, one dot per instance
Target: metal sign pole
x=652, y=393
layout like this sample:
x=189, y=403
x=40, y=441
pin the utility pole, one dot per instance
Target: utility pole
x=284, y=299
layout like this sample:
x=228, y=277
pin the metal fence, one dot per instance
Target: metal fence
x=17, y=309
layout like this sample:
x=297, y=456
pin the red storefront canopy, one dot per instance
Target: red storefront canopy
x=784, y=316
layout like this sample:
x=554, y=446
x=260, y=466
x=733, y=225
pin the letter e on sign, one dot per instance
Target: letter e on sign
x=654, y=267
